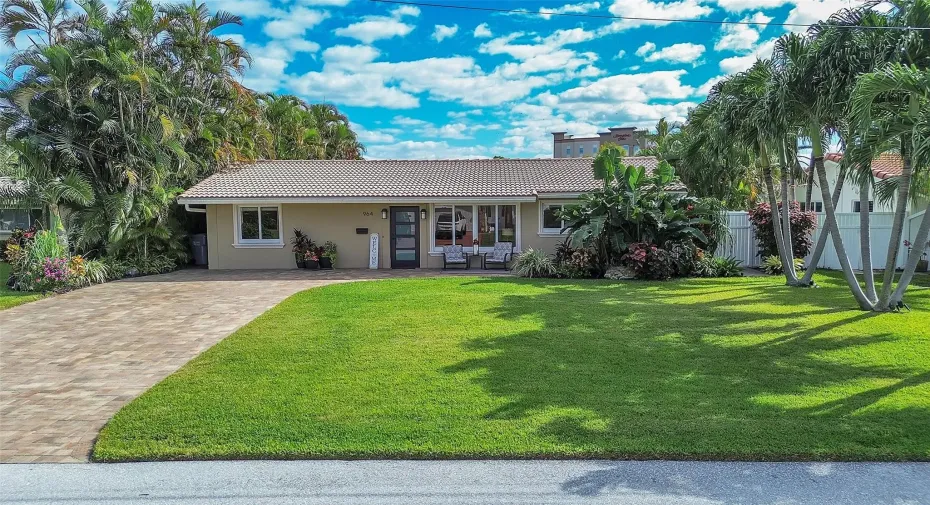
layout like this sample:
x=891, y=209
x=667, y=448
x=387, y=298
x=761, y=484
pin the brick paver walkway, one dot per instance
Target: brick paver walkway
x=69, y=362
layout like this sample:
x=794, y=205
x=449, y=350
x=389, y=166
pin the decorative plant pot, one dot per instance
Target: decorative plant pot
x=922, y=265
x=300, y=261
x=326, y=262
x=313, y=265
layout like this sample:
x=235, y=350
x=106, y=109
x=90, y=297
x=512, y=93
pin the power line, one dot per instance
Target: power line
x=546, y=13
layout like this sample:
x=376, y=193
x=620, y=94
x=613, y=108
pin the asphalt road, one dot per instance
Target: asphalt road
x=467, y=482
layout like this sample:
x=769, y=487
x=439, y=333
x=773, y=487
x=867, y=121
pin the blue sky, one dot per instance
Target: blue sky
x=443, y=83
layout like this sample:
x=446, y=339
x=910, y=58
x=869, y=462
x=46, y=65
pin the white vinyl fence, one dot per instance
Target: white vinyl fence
x=742, y=242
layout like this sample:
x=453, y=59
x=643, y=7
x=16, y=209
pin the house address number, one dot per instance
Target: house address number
x=368, y=214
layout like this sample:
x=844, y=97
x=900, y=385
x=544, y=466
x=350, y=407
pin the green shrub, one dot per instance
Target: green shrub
x=772, y=265
x=728, y=267
x=533, y=263
x=705, y=266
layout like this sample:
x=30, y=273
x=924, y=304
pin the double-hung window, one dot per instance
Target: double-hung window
x=258, y=225
x=550, y=221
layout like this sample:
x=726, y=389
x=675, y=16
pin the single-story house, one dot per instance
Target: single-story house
x=12, y=214
x=415, y=206
x=885, y=166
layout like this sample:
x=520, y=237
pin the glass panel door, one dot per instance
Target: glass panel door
x=405, y=237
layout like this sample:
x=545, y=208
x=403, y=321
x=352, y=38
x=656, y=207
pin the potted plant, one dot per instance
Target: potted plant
x=328, y=255
x=301, y=243
x=312, y=259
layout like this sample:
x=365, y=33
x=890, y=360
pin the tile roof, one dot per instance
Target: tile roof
x=884, y=166
x=485, y=178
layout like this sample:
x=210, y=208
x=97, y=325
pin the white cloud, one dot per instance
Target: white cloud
x=620, y=55
x=705, y=88
x=685, y=52
x=371, y=136
x=630, y=87
x=295, y=23
x=349, y=57
x=743, y=5
x=324, y=3
x=740, y=63
x=247, y=8
x=372, y=28
x=645, y=49
x=742, y=37
x=429, y=150
x=465, y=113
x=542, y=54
x=406, y=10
x=482, y=31
x=268, y=71
x=443, y=32
x=681, y=9
x=807, y=12
x=579, y=8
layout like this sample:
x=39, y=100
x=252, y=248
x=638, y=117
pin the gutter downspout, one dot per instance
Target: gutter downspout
x=196, y=210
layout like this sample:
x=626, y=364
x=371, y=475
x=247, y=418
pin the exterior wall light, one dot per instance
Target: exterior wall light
x=423, y=214
x=383, y=213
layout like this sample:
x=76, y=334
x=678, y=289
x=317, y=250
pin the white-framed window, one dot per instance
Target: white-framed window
x=11, y=219
x=462, y=224
x=815, y=207
x=857, y=206
x=581, y=150
x=549, y=221
x=259, y=225
x=594, y=149
x=568, y=151
x=634, y=149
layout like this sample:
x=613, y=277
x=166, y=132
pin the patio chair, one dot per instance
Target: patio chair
x=454, y=255
x=502, y=253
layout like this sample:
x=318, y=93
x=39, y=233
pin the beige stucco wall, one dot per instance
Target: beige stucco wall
x=337, y=222
x=529, y=221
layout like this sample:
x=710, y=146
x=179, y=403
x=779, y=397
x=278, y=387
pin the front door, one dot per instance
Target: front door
x=405, y=237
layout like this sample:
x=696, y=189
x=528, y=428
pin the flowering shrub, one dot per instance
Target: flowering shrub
x=649, y=261
x=802, y=229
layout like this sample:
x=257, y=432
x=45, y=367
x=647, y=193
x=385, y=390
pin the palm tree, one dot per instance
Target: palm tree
x=48, y=17
x=35, y=185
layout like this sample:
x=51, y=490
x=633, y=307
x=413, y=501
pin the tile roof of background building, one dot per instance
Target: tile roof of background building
x=884, y=166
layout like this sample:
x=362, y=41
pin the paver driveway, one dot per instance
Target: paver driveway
x=69, y=362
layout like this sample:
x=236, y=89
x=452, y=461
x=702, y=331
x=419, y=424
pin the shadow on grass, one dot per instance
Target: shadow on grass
x=666, y=370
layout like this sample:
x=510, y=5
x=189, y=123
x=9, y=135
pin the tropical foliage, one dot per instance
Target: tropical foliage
x=109, y=115
x=634, y=207
x=861, y=77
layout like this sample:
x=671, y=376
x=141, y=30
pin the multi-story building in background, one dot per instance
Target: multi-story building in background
x=569, y=146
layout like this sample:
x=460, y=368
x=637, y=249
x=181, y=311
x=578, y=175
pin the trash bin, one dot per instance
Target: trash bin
x=199, y=248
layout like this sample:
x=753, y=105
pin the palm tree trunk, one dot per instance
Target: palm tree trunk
x=810, y=185
x=923, y=233
x=787, y=264
x=832, y=228
x=58, y=225
x=865, y=237
x=786, y=212
x=897, y=227
x=817, y=170
x=790, y=273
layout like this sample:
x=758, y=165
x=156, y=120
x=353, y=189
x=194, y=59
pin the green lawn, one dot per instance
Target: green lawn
x=500, y=367
x=10, y=298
